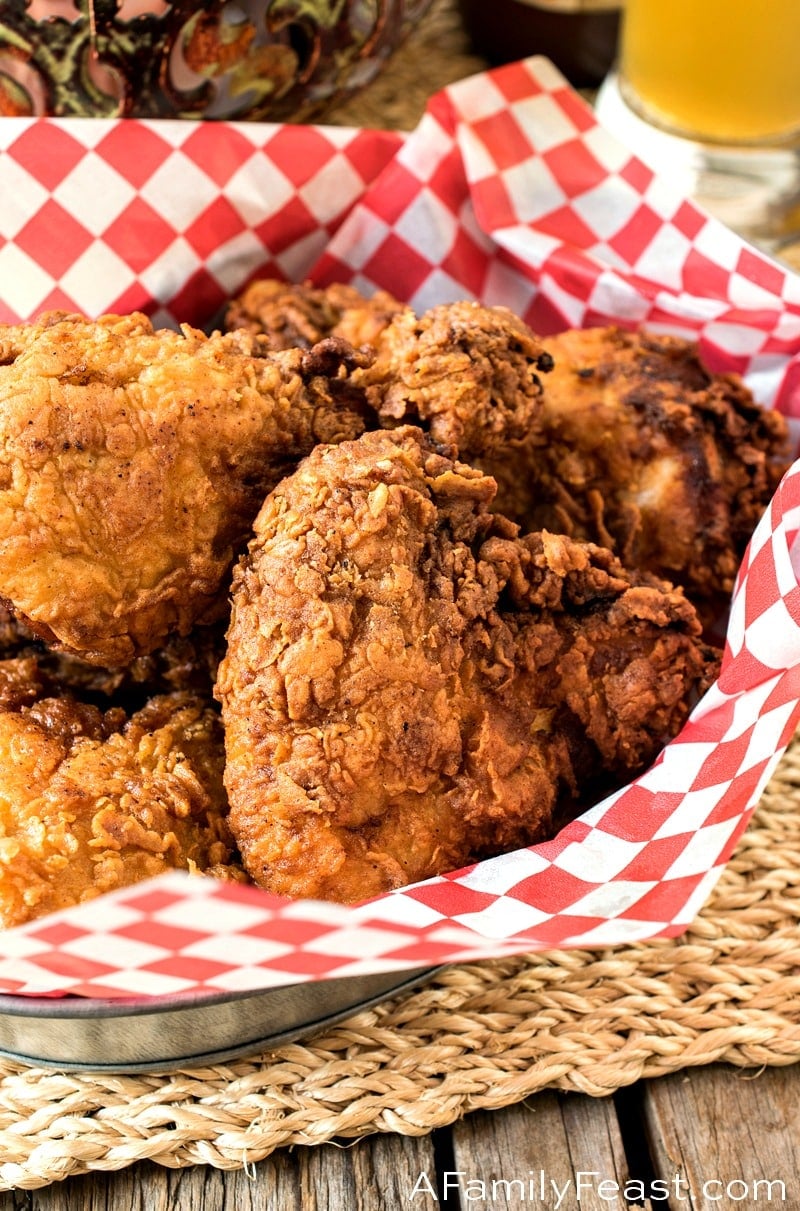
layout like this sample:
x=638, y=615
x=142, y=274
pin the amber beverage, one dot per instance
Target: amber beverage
x=717, y=70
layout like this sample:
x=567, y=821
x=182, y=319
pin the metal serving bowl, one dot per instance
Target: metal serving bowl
x=277, y=60
x=157, y=1033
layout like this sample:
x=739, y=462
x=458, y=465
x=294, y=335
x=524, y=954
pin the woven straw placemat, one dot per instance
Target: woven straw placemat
x=437, y=53
x=480, y=1036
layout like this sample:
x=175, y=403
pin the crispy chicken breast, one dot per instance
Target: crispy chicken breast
x=410, y=686
x=132, y=463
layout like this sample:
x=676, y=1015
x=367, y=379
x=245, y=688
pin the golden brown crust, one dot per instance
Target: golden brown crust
x=642, y=449
x=409, y=686
x=185, y=662
x=468, y=374
x=91, y=801
x=132, y=462
x=290, y=316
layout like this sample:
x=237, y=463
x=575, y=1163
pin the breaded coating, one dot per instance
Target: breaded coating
x=132, y=463
x=291, y=316
x=14, y=635
x=185, y=662
x=467, y=374
x=91, y=801
x=642, y=449
x=409, y=686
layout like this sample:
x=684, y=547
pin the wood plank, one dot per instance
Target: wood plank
x=722, y=1134
x=537, y=1152
x=379, y=1171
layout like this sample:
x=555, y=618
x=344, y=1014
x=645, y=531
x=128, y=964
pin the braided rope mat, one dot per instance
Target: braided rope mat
x=435, y=54
x=481, y=1036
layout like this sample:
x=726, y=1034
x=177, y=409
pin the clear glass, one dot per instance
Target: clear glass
x=720, y=70
x=707, y=92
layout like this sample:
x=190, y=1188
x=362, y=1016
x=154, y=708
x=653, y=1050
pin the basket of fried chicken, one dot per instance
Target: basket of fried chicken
x=447, y=582
x=407, y=575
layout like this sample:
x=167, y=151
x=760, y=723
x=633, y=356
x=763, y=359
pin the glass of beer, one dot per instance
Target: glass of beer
x=722, y=70
x=712, y=87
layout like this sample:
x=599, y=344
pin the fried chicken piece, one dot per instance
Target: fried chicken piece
x=91, y=801
x=298, y=316
x=642, y=449
x=185, y=662
x=467, y=374
x=132, y=463
x=14, y=635
x=21, y=682
x=409, y=686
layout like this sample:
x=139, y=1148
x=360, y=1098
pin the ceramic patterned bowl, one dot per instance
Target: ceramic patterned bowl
x=277, y=60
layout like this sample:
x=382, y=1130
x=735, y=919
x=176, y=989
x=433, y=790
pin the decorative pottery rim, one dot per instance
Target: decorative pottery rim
x=269, y=60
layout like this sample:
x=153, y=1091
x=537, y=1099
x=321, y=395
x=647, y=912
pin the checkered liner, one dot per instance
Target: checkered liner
x=509, y=192
x=168, y=217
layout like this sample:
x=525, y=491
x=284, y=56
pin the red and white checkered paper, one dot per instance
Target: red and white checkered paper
x=509, y=192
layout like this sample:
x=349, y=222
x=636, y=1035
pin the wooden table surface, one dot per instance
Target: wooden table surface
x=710, y=1138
